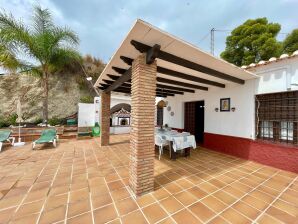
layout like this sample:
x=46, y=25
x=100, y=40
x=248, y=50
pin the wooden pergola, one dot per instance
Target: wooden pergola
x=152, y=63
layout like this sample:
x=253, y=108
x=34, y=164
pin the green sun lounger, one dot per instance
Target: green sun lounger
x=47, y=136
x=5, y=136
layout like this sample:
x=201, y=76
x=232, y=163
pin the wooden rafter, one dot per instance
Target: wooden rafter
x=186, y=63
x=180, y=75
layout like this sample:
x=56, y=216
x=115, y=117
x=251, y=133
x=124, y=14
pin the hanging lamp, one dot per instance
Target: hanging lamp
x=161, y=103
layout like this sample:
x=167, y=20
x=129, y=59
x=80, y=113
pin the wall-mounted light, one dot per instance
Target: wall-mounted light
x=233, y=109
x=89, y=78
x=216, y=109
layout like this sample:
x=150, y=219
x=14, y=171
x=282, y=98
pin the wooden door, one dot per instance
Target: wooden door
x=189, y=117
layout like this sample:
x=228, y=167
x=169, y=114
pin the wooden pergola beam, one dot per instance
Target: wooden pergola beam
x=173, y=82
x=180, y=75
x=126, y=75
x=177, y=83
x=128, y=85
x=186, y=63
x=127, y=89
x=114, y=77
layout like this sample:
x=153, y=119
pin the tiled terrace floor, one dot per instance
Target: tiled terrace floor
x=79, y=182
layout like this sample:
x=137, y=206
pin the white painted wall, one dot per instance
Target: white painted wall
x=277, y=76
x=274, y=77
x=239, y=123
x=86, y=115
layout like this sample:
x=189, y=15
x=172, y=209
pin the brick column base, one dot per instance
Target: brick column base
x=143, y=85
x=105, y=118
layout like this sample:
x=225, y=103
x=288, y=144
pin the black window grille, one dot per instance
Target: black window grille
x=277, y=117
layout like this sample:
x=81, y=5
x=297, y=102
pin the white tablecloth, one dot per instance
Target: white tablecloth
x=179, y=140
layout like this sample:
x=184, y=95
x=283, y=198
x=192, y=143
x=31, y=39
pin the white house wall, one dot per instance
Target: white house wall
x=277, y=76
x=274, y=77
x=239, y=123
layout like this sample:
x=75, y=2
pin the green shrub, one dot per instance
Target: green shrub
x=54, y=121
x=38, y=121
x=86, y=99
x=3, y=122
x=7, y=121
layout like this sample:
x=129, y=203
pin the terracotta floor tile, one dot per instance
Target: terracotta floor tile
x=120, y=194
x=115, y=185
x=79, y=195
x=59, y=190
x=233, y=216
x=290, y=197
x=82, y=169
x=217, y=183
x=29, y=208
x=268, y=190
x=54, y=215
x=233, y=191
x=184, y=184
x=261, y=196
x=246, y=210
x=104, y=214
x=214, y=204
x=267, y=219
x=225, y=197
x=32, y=218
x=167, y=221
x=185, y=198
x=154, y=213
x=56, y=201
x=286, y=207
x=202, y=211
x=254, y=202
x=161, y=194
x=102, y=200
x=145, y=200
x=173, y=188
x=185, y=216
x=125, y=206
x=134, y=217
x=197, y=192
x=6, y=215
x=83, y=218
x=171, y=204
x=281, y=215
x=36, y=195
x=218, y=220
x=209, y=188
x=78, y=207
x=11, y=201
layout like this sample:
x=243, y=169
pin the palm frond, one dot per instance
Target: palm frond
x=64, y=35
x=16, y=35
x=64, y=56
x=42, y=20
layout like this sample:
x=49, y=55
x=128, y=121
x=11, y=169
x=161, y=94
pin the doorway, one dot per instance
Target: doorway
x=194, y=116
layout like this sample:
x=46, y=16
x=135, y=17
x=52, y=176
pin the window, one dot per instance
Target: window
x=277, y=117
x=266, y=129
x=286, y=130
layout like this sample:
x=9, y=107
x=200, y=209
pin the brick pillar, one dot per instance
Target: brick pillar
x=143, y=85
x=105, y=118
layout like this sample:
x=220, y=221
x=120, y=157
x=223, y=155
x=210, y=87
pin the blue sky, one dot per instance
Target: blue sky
x=102, y=24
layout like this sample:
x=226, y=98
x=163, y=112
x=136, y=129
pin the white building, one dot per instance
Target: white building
x=249, y=112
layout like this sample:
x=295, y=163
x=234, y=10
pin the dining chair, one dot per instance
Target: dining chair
x=160, y=142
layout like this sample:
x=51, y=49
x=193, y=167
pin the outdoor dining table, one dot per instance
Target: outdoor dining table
x=188, y=141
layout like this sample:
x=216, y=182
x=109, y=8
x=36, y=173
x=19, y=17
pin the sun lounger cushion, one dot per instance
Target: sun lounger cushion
x=4, y=135
x=48, y=135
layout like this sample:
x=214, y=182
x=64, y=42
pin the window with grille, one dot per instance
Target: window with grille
x=277, y=117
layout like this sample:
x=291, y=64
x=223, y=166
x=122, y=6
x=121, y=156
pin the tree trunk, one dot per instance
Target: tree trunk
x=46, y=96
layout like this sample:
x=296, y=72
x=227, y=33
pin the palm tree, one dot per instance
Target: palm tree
x=39, y=49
